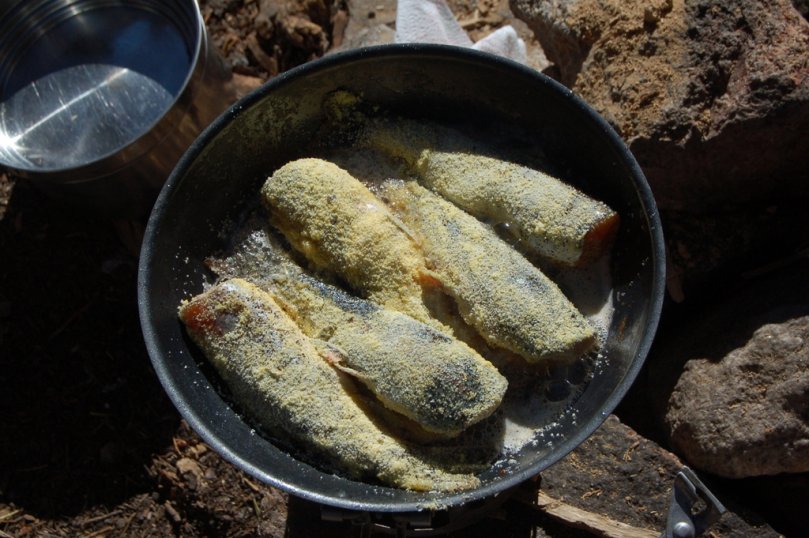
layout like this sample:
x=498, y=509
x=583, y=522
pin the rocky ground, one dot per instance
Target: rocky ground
x=714, y=102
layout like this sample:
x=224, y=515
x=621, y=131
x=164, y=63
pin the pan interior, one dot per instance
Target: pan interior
x=219, y=177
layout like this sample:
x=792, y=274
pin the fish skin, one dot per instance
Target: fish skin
x=414, y=369
x=340, y=226
x=275, y=372
x=511, y=303
x=547, y=217
x=429, y=377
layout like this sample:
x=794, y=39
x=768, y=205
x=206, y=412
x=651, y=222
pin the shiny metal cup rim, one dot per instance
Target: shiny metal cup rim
x=24, y=21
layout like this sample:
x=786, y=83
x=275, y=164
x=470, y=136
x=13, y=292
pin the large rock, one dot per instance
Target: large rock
x=712, y=97
x=709, y=329
x=748, y=414
x=727, y=378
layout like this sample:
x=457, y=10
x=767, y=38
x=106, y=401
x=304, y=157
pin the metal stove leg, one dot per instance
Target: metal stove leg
x=693, y=507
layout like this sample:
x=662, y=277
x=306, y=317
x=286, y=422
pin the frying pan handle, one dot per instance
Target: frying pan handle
x=693, y=507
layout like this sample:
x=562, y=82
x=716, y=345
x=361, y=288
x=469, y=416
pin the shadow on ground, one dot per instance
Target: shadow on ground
x=82, y=411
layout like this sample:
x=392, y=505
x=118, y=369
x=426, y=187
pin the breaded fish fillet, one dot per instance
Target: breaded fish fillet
x=275, y=372
x=547, y=216
x=431, y=378
x=339, y=225
x=500, y=293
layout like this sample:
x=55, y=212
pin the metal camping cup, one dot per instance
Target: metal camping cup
x=100, y=98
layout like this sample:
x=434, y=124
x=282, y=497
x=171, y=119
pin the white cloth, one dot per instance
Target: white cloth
x=431, y=21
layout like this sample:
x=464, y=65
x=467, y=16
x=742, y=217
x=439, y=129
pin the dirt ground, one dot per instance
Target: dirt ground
x=89, y=443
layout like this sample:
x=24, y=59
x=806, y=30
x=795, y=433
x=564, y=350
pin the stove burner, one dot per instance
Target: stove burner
x=423, y=523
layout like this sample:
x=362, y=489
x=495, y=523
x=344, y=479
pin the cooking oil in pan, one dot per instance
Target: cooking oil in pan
x=535, y=403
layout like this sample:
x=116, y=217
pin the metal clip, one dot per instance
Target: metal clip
x=693, y=507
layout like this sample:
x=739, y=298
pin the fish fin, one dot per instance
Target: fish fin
x=430, y=279
x=359, y=376
x=335, y=357
x=289, y=308
x=403, y=227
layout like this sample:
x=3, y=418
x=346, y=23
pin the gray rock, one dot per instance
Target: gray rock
x=736, y=371
x=748, y=414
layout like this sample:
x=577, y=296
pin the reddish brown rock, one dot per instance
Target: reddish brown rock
x=712, y=97
x=266, y=37
x=727, y=402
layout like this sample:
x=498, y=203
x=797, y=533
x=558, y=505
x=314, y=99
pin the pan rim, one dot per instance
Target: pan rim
x=199, y=424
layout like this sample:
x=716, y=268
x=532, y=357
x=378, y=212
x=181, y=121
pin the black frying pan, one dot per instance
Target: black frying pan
x=220, y=175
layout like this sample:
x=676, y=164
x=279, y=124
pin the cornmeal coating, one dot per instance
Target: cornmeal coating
x=414, y=369
x=509, y=301
x=546, y=216
x=340, y=226
x=275, y=372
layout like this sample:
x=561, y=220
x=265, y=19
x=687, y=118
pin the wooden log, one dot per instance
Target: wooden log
x=591, y=522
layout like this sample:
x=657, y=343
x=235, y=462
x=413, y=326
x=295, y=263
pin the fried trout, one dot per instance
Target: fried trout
x=509, y=301
x=413, y=369
x=546, y=216
x=275, y=372
x=340, y=226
